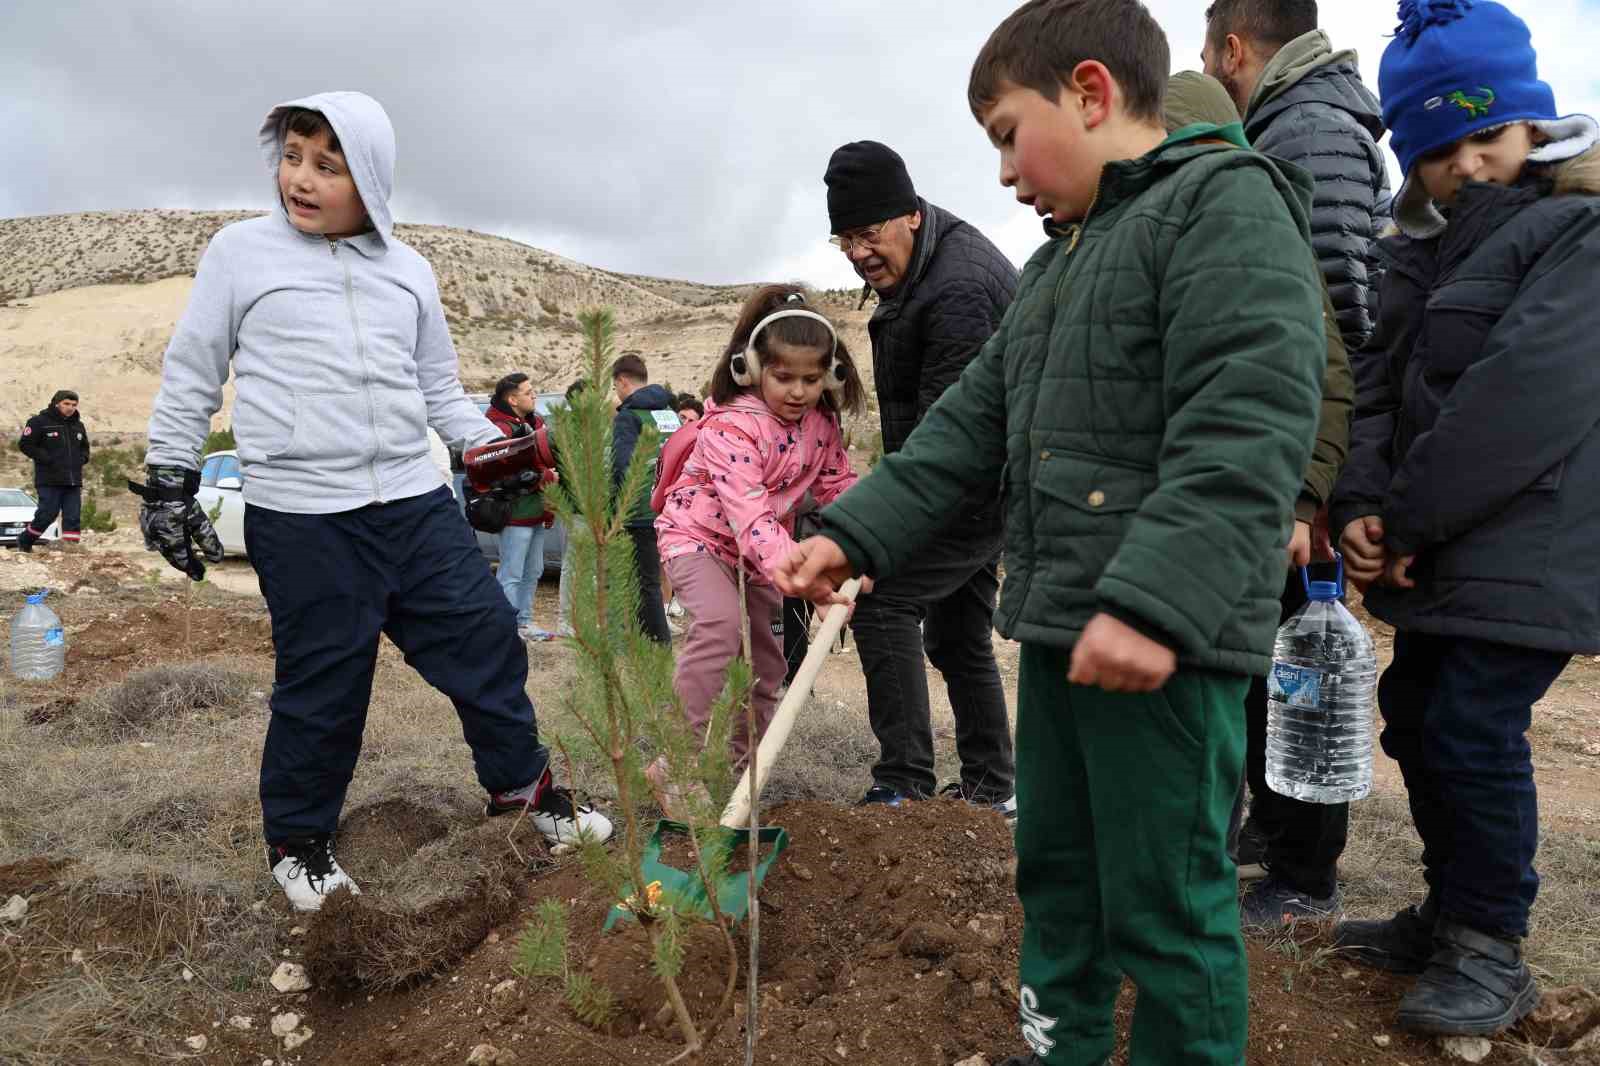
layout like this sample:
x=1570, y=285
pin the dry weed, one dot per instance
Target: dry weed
x=160, y=698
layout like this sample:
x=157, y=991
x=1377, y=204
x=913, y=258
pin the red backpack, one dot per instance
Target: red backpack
x=674, y=454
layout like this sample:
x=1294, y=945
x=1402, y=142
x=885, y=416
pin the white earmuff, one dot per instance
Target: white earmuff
x=746, y=365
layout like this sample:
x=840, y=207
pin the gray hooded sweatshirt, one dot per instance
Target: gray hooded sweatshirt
x=341, y=355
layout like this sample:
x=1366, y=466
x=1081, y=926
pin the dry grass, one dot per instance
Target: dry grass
x=163, y=698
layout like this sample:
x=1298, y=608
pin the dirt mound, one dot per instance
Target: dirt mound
x=431, y=909
x=166, y=697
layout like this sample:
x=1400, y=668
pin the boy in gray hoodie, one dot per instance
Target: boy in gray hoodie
x=342, y=360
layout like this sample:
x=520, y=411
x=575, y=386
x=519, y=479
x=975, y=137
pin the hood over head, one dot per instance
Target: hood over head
x=366, y=137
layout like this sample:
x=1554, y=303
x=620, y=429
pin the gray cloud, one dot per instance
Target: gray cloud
x=682, y=139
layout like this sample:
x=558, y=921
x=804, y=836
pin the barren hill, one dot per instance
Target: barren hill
x=88, y=301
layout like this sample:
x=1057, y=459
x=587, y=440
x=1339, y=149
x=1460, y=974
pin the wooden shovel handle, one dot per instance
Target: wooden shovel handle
x=736, y=815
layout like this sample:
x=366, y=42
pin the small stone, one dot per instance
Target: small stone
x=296, y=1038
x=1466, y=1048
x=557, y=849
x=493, y=938
x=1382, y=1040
x=241, y=1022
x=1592, y=748
x=990, y=929
x=504, y=988
x=484, y=1055
x=78, y=958
x=188, y=974
x=975, y=1060
x=258, y=906
x=297, y=930
x=820, y=1032
x=801, y=872
x=930, y=940
x=15, y=909
x=981, y=989
x=197, y=1042
x=290, y=977
x=147, y=745
x=284, y=1024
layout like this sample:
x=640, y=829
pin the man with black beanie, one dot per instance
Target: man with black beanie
x=942, y=289
x=59, y=446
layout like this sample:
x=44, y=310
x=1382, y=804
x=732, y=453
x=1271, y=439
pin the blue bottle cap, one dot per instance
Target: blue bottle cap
x=38, y=597
x=1323, y=591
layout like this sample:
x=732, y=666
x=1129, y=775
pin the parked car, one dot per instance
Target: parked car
x=221, y=496
x=555, y=542
x=16, y=511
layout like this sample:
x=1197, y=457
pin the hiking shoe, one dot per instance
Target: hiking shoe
x=889, y=797
x=1474, y=985
x=1252, y=858
x=1402, y=944
x=553, y=811
x=24, y=541
x=307, y=871
x=1272, y=902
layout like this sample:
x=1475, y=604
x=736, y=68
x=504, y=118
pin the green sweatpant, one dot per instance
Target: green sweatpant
x=1123, y=803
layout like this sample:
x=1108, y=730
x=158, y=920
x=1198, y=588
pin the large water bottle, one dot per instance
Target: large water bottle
x=1319, y=700
x=38, y=643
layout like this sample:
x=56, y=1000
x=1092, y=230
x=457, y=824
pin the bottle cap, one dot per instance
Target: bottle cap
x=1323, y=591
x=38, y=597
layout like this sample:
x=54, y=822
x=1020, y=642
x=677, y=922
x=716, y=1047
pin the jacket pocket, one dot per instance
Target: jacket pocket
x=1513, y=547
x=331, y=429
x=263, y=422
x=1460, y=317
x=402, y=419
x=1084, y=505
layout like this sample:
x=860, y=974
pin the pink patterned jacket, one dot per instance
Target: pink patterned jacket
x=740, y=486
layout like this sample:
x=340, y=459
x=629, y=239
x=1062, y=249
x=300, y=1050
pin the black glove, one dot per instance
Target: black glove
x=171, y=518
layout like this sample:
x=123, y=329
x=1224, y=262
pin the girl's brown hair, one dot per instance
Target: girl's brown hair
x=796, y=332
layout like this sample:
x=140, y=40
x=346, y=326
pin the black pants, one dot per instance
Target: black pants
x=1304, y=840
x=647, y=563
x=796, y=625
x=944, y=606
x=333, y=582
x=1456, y=714
x=63, y=500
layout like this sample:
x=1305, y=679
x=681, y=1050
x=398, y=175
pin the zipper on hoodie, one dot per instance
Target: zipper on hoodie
x=366, y=370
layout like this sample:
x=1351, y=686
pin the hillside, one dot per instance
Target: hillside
x=88, y=301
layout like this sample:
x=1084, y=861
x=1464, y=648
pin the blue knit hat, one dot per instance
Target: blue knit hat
x=1455, y=68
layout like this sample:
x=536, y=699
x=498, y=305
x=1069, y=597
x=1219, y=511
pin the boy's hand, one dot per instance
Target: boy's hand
x=1300, y=545
x=1395, y=572
x=1118, y=658
x=814, y=571
x=1364, y=553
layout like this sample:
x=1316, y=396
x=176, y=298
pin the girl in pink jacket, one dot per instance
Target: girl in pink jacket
x=770, y=435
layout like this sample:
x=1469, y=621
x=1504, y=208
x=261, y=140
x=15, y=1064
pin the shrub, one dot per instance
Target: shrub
x=220, y=440
x=95, y=518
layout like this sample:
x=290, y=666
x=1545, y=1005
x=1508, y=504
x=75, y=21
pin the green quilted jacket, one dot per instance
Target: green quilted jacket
x=1149, y=403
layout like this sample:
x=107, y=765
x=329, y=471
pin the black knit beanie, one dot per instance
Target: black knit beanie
x=867, y=184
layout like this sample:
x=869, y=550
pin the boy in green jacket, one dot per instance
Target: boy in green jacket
x=1150, y=401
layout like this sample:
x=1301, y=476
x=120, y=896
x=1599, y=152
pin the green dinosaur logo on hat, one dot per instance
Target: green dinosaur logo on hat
x=1475, y=106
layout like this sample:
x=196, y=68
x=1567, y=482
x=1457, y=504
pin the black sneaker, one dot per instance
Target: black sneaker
x=307, y=871
x=1474, y=985
x=889, y=797
x=1272, y=902
x=553, y=811
x=1402, y=944
x=1005, y=806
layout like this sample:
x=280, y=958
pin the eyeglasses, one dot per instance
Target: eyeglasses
x=869, y=236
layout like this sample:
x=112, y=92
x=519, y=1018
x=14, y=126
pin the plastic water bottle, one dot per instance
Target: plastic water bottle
x=1319, y=700
x=38, y=643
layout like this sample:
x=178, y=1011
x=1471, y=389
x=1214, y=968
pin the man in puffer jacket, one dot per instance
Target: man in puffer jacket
x=942, y=289
x=59, y=446
x=1305, y=104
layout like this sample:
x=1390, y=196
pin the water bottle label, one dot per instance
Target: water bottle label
x=54, y=637
x=1297, y=686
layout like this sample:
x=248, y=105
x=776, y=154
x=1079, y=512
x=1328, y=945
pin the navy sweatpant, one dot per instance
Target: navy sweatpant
x=410, y=569
x=63, y=500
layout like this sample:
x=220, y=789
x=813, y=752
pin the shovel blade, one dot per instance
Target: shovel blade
x=684, y=888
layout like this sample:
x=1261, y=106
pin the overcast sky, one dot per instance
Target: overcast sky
x=685, y=139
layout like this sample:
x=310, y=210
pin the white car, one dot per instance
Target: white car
x=16, y=511
x=221, y=496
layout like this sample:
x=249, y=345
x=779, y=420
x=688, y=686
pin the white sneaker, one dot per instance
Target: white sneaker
x=307, y=871
x=675, y=609
x=554, y=812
